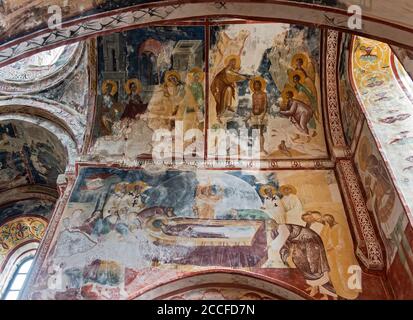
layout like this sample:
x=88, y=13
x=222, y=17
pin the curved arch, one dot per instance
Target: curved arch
x=48, y=80
x=67, y=142
x=169, y=11
x=72, y=122
x=28, y=192
x=236, y=278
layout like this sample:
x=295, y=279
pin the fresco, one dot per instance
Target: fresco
x=266, y=77
x=38, y=66
x=149, y=79
x=383, y=200
x=18, y=231
x=29, y=155
x=123, y=230
x=349, y=108
x=255, y=83
x=39, y=207
x=388, y=107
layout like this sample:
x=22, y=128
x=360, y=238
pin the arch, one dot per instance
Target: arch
x=67, y=62
x=225, y=278
x=139, y=15
x=67, y=118
x=13, y=262
x=66, y=141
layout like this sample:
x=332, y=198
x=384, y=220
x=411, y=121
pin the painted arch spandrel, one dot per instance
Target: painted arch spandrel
x=125, y=231
x=266, y=77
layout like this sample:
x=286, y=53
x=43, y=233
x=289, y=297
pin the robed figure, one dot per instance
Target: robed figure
x=224, y=86
x=306, y=250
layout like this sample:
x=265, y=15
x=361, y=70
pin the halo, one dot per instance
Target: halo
x=171, y=73
x=119, y=185
x=286, y=89
x=231, y=57
x=131, y=186
x=105, y=87
x=294, y=73
x=285, y=186
x=301, y=56
x=260, y=79
x=199, y=71
x=137, y=84
x=263, y=190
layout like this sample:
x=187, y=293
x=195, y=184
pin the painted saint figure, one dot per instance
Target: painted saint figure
x=223, y=87
x=292, y=205
x=135, y=107
x=189, y=110
x=306, y=250
x=111, y=108
x=299, y=113
x=258, y=117
x=338, y=247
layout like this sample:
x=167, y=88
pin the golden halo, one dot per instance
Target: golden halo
x=288, y=88
x=267, y=190
x=119, y=186
x=288, y=186
x=198, y=71
x=237, y=60
x=294, y=73
x=301, y=56
x=137, y=84
x=170, y=73
x=131, y=186
x=105, y=87
x=260, y=79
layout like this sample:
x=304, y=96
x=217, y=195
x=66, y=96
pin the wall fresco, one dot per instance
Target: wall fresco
x=148, y=79
x=266, y=77
x=19, y=231
x=388, y=107
x=172, y=223
x=383, y=201
x=349, y=108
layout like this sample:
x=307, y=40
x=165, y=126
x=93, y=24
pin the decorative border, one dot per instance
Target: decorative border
x=369, y=249
x=333, y=110
x=130, y=17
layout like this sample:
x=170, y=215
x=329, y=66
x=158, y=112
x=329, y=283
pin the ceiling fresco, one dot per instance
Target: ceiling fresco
x=29, y=155
x=40, y=207
x=38, y=66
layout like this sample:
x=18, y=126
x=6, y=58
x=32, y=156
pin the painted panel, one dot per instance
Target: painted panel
x=266, y=77
x=128, y=230
x=148, y=79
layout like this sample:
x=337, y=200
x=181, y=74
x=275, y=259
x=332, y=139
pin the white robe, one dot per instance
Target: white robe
x=294, y=210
